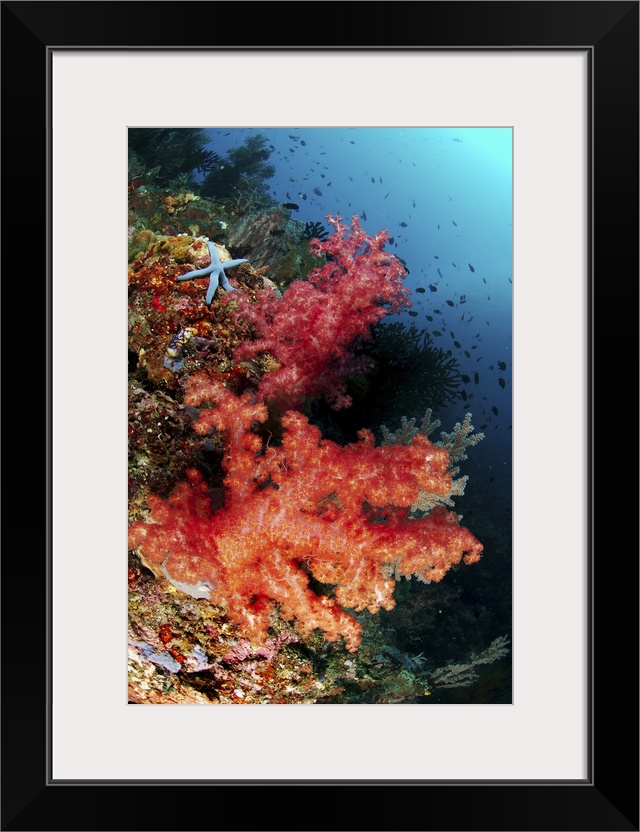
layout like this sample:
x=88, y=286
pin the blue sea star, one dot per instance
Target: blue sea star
x=215, y=271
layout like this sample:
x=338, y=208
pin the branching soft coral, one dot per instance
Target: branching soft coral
x=310, y=331
x=304, y=508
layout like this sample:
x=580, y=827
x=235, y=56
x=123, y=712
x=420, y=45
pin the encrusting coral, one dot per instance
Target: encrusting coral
x=305, y=509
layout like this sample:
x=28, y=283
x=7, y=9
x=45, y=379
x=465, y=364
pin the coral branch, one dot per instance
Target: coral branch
x=456, y=443
x=463, y=674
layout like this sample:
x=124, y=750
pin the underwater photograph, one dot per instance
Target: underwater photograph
x=319, y=415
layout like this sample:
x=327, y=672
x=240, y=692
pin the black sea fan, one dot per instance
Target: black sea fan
x=411, y=373
x=315, y=230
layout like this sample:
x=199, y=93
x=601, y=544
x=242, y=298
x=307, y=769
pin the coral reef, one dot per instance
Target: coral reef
x=172, y=324
x=305, y=509
x=310, y=331
x=183, y=650
x=259, y=548
x=456, y=443
x=271, y=239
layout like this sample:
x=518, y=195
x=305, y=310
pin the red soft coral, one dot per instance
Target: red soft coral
x=306, y=507
x=311, y=330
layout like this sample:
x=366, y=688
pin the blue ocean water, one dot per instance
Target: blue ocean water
x=445, y=197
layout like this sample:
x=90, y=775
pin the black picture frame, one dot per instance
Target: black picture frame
x=608, y=798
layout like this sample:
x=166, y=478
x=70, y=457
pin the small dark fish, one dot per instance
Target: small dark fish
x=291, y=150
x=302, y=142
x=429, y=317
x=438, y=311
x=413, y=314
x=484, y=280
x=364, y=216
x=455, y=223
x=502, y=365
x=476, y=378
x=439, y=272
x=291, y=205
x=450, y=303
x=460, y=142
x=392, y=240
x=414, y=203
x=386, y=195
x=467, y=353
x=322, y=176
x=454, y=265
x=317, y=191
x=436, y=257
x=465, y=379
x=437, y=333
x=438, y=228
x=501, y=382
x=457, y=344
x=421, y=290
x=463, y=393
x=403, y=225
x=494, y=410
x=351, y=142
x=373, y=179
x=295, y=138
x=433, y=288
x=471, y=268
x=482, y=427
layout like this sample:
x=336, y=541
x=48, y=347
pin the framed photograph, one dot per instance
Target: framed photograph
x=334, y=321
x=335, y=252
